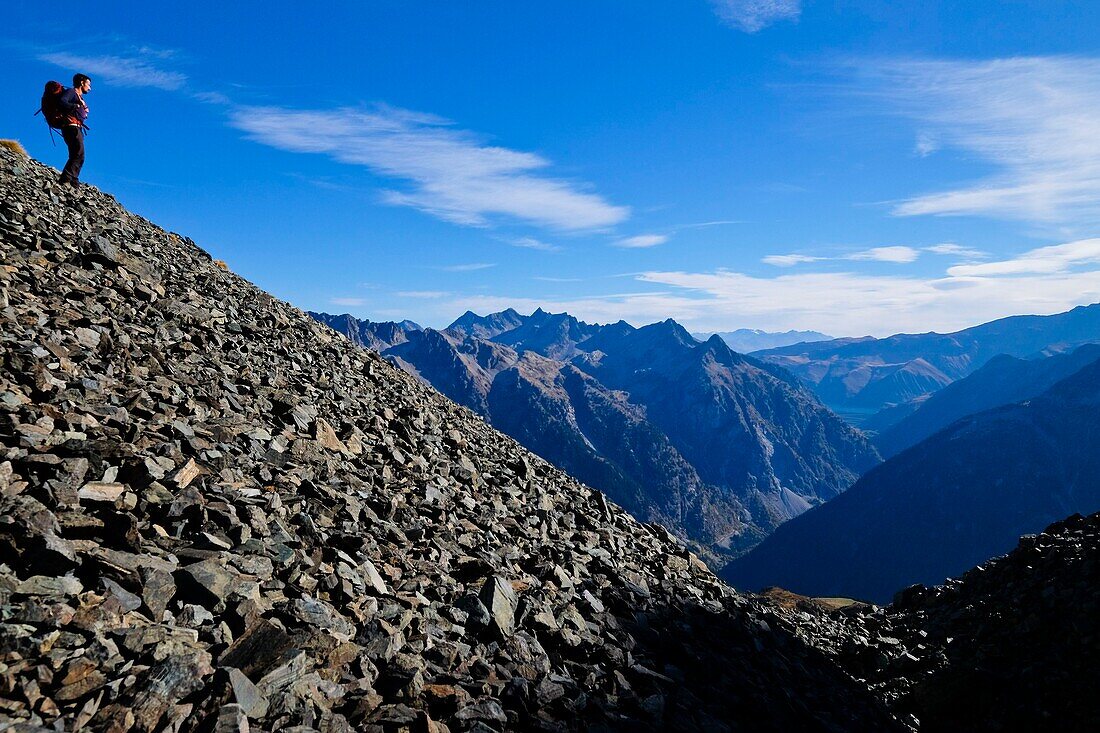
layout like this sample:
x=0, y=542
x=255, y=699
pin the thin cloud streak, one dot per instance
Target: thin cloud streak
x=752, y=16
x=1044, y=260
x=957, y=250
x=452, y=174
x=641, y=241
x=900, y=255
x=1035, y=119
x=535, y=244
x=854, y=304
x=718, y=223
x=118, y=70
x=896, y=254
x=471, y=267
x=789, y=260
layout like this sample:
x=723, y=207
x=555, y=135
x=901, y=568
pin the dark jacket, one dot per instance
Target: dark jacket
x=72, y=104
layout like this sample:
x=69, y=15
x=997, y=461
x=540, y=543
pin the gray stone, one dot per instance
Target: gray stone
x=247, y=695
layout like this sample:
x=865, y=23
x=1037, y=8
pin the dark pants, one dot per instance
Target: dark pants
x=74, y=139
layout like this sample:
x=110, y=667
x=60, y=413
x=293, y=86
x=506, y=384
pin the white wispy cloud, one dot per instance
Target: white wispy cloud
x=754, y=15
x=789, y=260
x=536, y=244
x=453, y=174
x=716, y=223
x=215, y=98
x=351, y=302
x=926, y=144
x=898, y=254
x=857, y=304
x=1036, y=120
x=119, y=70
x=641, y=241
x=956, y=250
x=471, y=267
x=1057, y=258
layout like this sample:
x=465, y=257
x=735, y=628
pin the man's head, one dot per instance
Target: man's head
x=82, y=83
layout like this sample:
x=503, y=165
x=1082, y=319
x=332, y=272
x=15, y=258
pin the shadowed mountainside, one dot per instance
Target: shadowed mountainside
x=1002, y=381
x=947, y=503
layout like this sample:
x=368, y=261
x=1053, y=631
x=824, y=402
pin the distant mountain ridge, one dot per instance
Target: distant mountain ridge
x=747, y=340
x=1003, y=380
x=858, y=377
x=373, y=336
x=714, y=445
x=960, y=496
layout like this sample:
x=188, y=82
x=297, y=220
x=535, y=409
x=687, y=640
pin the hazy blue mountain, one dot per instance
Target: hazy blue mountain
x=554, y=335
x=1003, y=380
x=859, y=377
x=747, y=340
x=716, y=446
x=955, y=499
x=485, y=327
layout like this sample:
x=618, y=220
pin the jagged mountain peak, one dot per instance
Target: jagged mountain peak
x=667, y=331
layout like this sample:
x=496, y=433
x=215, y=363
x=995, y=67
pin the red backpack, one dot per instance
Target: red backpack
x=51, y=108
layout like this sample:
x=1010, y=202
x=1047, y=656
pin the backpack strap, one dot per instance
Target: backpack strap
x=48, y=126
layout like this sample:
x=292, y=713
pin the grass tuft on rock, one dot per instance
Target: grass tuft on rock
x=15, y=146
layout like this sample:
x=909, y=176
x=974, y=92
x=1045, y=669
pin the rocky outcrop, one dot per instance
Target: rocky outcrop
x=1011, y=645
x=216, y=514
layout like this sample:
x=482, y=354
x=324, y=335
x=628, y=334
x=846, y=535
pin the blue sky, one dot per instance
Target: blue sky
x=849, y=166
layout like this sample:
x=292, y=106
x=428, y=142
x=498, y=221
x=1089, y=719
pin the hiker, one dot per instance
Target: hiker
x=75, y=110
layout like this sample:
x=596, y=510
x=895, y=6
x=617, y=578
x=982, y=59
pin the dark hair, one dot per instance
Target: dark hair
x=79, y=79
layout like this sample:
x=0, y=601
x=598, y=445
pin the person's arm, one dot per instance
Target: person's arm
x=69, y=102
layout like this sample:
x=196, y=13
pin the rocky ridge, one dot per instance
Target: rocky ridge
x=205, y=527
x=1011, y=645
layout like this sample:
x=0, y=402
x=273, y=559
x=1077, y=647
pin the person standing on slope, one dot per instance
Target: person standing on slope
x=75, y=109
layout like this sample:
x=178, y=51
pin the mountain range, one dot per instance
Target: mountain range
x=880, y=381
x=950, y=501
x=746, y=340
x=716, y=446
